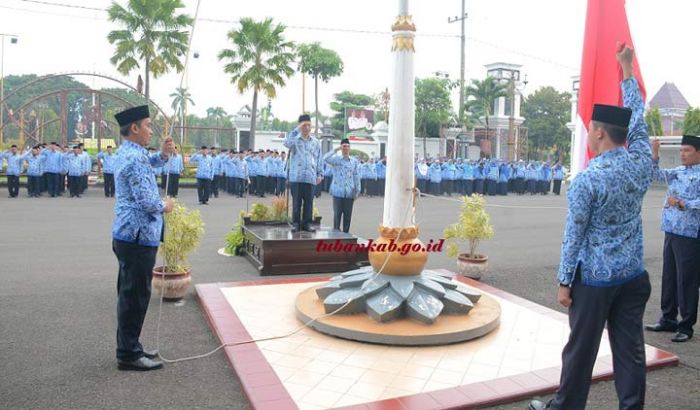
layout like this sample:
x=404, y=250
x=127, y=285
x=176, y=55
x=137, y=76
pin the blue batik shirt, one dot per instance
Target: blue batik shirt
x=14, y=163
x=53, y=162
x=603, y=231
x=205, y=165
x=35, y=164
x=74, y=164
x=107, y=162
x=468, y=172
x=558, y=173
x=138, y=209
x=492, y=172
x=435, y=173
x=346, y=175
x=503, y=173
x=175, y=165
x=305, y=165
x=683, y=183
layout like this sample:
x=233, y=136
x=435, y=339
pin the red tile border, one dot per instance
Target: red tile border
x=265, y=390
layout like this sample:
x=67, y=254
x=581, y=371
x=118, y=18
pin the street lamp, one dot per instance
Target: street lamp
x=13, y=40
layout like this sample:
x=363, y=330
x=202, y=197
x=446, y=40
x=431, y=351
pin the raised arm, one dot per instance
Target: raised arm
x=637, y=136
x=291, y=139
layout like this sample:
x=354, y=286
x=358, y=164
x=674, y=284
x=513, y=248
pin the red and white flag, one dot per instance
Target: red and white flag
x=606, y=26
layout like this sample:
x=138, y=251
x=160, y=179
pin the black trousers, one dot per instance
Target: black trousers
x=13, y=185
x=203, y=189
x=680, y=281
x=133, y=295
x=491, y=187
x=51, y=183
x=342, y=208
x=502, y=188
x=557, y=186
x=44, y=183
x=302, y=203
x=109, y=184
x=435, y=188
x=83, y=183
x=381, y=186
x=260, y=185
x=468, y=186
x=74, y=185
x=281, y=181
x=479, y=186
x=532, y=186
x=239, y=186
x=215, y=186
x=173, y=185
x=34, y=185
x=622, y=307
x=62, y=182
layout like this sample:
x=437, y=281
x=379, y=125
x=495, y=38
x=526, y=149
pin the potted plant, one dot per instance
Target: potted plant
x=473, y=226
x=235, y=239
x=184, y=231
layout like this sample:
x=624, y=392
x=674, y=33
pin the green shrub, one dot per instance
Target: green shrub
x=473, y=226
x=184, y=229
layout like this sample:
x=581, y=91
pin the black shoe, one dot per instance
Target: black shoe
x=308, y=229
x=681, y=337
x=142, y=364
x=151, y=354
x=661, y=327
x=538, y=405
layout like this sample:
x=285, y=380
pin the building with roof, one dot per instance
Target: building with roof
x=672, y=105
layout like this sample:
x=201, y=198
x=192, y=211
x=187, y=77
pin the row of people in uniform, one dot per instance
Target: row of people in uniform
x=488, y=177
x=49, y=168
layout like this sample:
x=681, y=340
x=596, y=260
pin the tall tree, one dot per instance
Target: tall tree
x=181, y=98
x=433, y=107
x=216, y=114
x=691, y=122
x=481, y=97
x=653, y=120
x=546, y=113
x=319, y=62
x=343, y=100
x=152, y=33
x=260, y=60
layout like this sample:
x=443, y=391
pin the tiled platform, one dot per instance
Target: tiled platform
x=310, y=370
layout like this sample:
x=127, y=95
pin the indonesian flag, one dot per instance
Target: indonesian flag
x=601, y=74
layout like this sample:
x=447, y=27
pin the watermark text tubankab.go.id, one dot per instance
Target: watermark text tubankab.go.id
x=371, y=246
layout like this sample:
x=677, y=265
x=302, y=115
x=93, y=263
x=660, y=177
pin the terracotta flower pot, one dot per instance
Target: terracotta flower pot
x=473, y=267
x=173, y=285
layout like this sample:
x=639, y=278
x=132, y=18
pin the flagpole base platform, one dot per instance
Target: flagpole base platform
x=409, y=322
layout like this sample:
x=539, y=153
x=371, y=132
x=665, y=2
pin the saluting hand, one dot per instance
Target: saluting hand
x=167, y=147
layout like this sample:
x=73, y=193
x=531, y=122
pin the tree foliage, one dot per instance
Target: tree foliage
x=320, y=63
x=691, y=122
x=546, y=113
x=433, y=107
x=260, y=60
x=481, y=96
x=653, y=120
x=153, y=33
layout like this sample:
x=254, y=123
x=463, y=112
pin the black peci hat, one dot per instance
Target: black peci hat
x=612, y=114
x=304, y=117
x=691, y=140
x=345, y=141
x=132, y=114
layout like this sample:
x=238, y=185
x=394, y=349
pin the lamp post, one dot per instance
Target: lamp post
x=13, y=40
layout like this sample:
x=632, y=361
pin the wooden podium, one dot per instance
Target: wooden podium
x=274, y=250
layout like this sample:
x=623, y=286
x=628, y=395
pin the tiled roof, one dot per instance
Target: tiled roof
x=669, y=96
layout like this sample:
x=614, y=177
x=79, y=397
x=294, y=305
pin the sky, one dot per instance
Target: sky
x=544, y=36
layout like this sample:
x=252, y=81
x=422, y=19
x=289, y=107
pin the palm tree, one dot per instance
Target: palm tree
x=181, y=97
x=152, y=33
x=481, y=96
x=216, y=114
x=319, y=62
x=260, y=60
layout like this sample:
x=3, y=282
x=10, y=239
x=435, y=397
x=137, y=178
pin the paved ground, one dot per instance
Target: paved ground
x=57, y=301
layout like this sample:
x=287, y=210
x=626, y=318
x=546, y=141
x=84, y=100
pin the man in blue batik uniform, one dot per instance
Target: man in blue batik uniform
x=205, y=174
x=305, y=172
x=107, y=160
x=601, y=274
x=14, y=169
x=345, y=186
x=136, y=233
x=680, y=220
